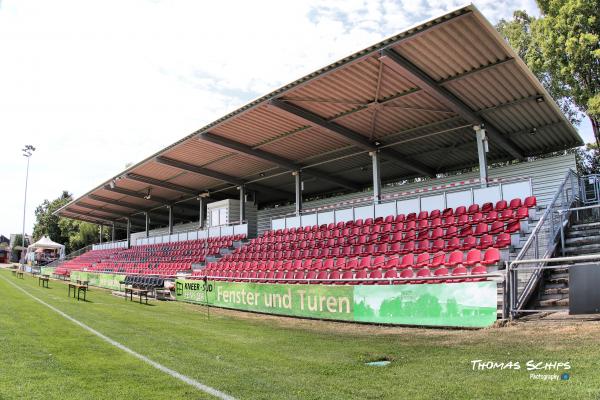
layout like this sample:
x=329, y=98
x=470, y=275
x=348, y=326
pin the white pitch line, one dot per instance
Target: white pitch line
x=160, y=367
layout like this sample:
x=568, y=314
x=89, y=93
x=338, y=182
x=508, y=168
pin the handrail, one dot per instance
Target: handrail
x=586, y=257
x=414, y=278
x=534, y=239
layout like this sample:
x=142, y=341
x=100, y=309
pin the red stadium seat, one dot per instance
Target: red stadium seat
x=455, y=258
x=391, y=263
x=473, y=257
x=439, y=259
x=473, y=208
x=513, y=227
x=487, y=207
x=485, y=241
x=492, y=256
x=422, y=260
x=391, y=274
x=478, y=270
x=502, y=241
x=438, y=244
x=406, y=274
x=530, y=202
x=481, y=229
x=407, y=261
x=497, y=227
x=443, y=271
x=459, y=271
x=375, y=274
x=469, y=242
x=453, y=244
x=515, y=203
x=425, y=272
x=501, y=205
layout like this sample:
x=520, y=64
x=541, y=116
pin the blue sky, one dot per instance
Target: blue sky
x=97, y=85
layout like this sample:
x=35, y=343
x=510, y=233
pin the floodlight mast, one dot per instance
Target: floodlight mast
x=27, y=152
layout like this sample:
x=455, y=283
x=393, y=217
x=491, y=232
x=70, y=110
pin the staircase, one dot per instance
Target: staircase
x=582, y=237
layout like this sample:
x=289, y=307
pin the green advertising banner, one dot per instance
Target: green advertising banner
x=468, y=304
x=314, y=301
x=107, y=281
x=47, y=270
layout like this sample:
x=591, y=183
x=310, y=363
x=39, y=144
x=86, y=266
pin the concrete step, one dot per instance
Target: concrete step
x=560, y=302
x=580, y=233
x=583, y=249
x=583, y=240
x=579, y=227
x=556, y=291
x=556, y=285
x=558, y=278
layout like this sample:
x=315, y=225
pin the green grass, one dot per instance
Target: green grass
x=249, y=356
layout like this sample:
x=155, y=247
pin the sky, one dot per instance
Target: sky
x=95, y=85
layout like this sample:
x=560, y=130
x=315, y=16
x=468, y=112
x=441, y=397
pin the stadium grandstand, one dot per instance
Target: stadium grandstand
x=431, y=162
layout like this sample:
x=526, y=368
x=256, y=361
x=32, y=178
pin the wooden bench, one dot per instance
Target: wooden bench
x=137, y=292
x=43, y=280
x=78, y=288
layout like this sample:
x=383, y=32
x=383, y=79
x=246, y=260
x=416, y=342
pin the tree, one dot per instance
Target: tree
x=562, y=48
x=73, y=234
x=47, y=223
x=19, y=240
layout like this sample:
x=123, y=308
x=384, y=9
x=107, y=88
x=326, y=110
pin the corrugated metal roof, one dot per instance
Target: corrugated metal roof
x=460, y=52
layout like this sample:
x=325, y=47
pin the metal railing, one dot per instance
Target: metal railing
x=542, y=242
x=539, y=265
x=564, y=220
x=590, y=189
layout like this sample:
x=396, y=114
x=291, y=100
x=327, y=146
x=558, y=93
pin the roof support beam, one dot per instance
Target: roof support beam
x=120, y=203
x=118, y=213
x=92, y=219
x=220, y=176
x=163, y=184
x=155, y=199
x=262, y=155
x=351, y=136
x=413, y=73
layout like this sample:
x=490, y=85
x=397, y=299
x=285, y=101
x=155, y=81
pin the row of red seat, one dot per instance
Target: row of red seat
x=476, y=226
x=162, y=269
x=368, y=277
x=84, y=260
x=455, y=258
x=487, y=210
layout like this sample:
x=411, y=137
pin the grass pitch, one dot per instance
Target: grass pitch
x=251, y=356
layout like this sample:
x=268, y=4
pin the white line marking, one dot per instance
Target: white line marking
x=160, y=367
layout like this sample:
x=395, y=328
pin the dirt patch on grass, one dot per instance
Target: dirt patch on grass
x=555, y=331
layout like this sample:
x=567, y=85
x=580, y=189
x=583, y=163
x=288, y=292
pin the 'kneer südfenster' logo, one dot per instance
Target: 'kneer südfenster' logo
x=179, y=288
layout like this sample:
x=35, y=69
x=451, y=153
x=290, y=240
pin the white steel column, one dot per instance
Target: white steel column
x=201, y=212
x=376, y=177
x=170, y=208
x=298, y=188
x=482, y=150
x=128, y=233
x=242, y=189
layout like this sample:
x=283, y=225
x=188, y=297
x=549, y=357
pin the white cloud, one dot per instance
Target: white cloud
x=94, y=85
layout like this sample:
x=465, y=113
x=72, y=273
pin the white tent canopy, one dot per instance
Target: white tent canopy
x=46, y=243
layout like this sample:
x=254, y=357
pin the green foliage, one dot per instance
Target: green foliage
x=588, y=159
x=562, y=48
x=73, y=234
x=19, y=240
x=47, y=223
